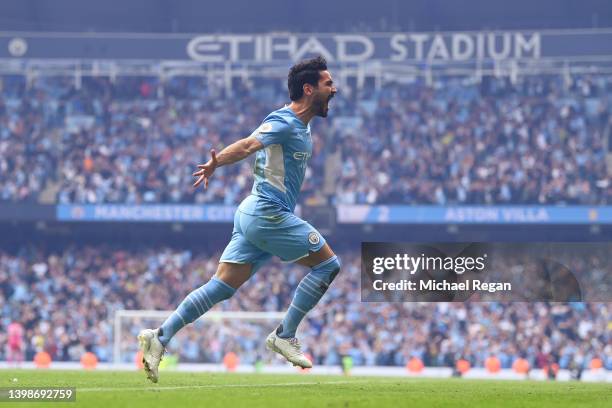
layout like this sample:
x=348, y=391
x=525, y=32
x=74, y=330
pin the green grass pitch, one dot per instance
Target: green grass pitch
x=130, y=389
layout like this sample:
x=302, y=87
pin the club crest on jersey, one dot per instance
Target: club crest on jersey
x=313, y=238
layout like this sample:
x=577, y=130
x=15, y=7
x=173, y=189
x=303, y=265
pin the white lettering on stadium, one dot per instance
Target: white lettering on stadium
x=155, y=213
x=359, y=48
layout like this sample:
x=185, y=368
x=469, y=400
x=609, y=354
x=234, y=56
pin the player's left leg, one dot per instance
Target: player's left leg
x=324, y=266
x=294, y=240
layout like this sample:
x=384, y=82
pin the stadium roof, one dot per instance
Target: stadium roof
x=299, y=16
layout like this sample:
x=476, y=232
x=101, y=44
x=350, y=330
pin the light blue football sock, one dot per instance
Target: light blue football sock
x=307, y=295
x=195, y=305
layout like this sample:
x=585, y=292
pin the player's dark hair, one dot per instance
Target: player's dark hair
x=304, y=72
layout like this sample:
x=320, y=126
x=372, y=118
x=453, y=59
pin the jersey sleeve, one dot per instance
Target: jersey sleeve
x=272, y=131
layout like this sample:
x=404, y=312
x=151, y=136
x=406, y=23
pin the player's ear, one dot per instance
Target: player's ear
x=308, y=89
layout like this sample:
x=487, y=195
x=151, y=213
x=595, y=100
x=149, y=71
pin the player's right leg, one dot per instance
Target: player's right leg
x=238, y=262
x=223, y=285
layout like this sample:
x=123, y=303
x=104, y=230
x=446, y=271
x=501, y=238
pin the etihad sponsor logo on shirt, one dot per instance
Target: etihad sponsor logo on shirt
x=301, y=155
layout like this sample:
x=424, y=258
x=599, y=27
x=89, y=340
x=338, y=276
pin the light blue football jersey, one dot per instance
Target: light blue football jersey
x=281, y=165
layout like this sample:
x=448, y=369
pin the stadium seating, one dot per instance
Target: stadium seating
x=38, y=287
x=133, y=140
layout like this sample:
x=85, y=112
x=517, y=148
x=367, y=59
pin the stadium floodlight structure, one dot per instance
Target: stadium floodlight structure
x=129, y=322
x=376, y=73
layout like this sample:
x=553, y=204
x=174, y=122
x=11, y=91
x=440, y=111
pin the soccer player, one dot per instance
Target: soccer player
x=264, y=224
x=15, y=347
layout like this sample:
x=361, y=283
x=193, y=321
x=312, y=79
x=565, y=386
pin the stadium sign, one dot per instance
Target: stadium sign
x=395, y=47
x=146, y=213
x=360, y=48
x=350, y=214
x=499, y=214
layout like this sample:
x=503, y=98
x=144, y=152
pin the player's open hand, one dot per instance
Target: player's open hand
x=206, y=170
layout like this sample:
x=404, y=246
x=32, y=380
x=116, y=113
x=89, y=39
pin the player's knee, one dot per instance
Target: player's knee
x=327, y=270
x=336, y=264
x=232, y=274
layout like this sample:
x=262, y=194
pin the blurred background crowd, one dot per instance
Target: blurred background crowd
x=137, y=140
x=65, y=302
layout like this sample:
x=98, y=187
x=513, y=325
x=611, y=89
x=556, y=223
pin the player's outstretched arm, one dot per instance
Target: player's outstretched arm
x=231, y=154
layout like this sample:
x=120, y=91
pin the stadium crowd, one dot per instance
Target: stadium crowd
x=136, y=140
x=66, y=301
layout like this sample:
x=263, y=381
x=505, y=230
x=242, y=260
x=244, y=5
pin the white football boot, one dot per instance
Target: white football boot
x=152, y=352
x=288, y=348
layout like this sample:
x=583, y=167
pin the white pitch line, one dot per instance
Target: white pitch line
x=184, y=387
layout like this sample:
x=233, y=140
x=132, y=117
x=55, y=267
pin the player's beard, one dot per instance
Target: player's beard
x=323, y=106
